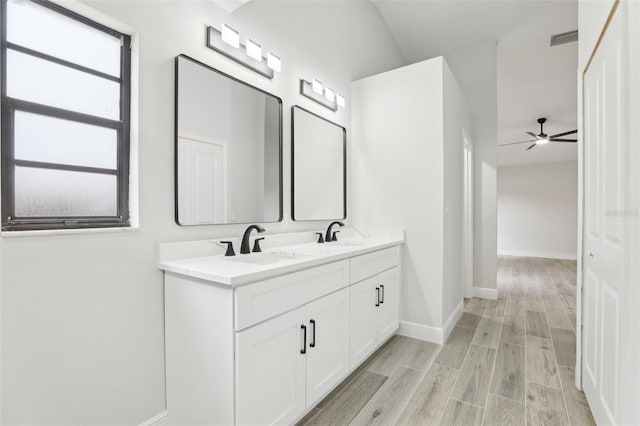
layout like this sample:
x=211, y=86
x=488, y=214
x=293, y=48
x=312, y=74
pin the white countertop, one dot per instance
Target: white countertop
x=233, y=271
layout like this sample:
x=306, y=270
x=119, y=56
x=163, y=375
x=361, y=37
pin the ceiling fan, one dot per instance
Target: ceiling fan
x=543, y=138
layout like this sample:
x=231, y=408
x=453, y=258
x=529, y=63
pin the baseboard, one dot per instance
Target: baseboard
x=157, y=420
x=431, y=334
x=452, y=320
x=421, y=332
x=543, y=254
x=485, y=293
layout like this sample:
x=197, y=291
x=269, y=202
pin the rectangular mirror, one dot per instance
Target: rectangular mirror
x=228, y=149
x=319, y=167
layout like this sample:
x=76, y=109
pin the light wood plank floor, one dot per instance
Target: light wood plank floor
x=507, y=362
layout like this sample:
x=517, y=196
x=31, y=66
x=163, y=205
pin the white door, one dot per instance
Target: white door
x=389, y=309
x=364, y=302
x=201, y=181
x=606, y=142
x=328, y=344
x=467, y=235
x=208, y=178
x=270, y=371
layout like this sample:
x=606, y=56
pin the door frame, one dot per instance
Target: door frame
x=467, y=216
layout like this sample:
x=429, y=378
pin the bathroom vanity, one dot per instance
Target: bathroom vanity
x=262, y=338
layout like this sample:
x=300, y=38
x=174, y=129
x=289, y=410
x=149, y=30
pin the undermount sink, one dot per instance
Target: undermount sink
x=348, y=243
x=267, y=258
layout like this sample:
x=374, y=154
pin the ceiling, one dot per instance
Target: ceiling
x=534, y=80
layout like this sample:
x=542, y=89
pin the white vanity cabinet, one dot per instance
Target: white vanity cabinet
x=288, y=363
x=375, y=313
x=267, y=351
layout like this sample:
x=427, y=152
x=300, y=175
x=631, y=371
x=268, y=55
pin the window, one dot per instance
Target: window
x=65, y=119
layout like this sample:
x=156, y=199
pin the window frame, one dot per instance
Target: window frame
x=122, y=126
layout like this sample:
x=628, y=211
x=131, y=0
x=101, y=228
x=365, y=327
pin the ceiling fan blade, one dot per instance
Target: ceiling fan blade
x=515, y=143
x=531, y=147
x=570, y=132
x=563, y=140
x=533, y=135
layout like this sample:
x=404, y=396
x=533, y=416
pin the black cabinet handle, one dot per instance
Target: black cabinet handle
x=382, y=291
x=313, y=334
x=304, y=343
x=377, y=296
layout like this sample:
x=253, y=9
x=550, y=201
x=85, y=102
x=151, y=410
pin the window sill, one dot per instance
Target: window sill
x=80, y=231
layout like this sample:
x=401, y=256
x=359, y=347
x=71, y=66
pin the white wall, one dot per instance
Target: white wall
x=592, y=16
x=82, y=314
x=457, y=120
x=397, y=175
x=407, y=173
x=538, y=210
x=475, y=68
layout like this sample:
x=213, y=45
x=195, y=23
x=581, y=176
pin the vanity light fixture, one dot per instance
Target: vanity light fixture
x=274, y=62
x=317, y=92
x=226, y=41
x=230, y=36
x=254, y=50
x=329, y=94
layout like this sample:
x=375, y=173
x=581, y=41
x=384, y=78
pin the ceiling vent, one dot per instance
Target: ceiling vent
x=564, y=38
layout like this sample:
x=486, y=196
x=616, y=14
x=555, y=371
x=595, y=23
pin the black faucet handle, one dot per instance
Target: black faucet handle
x=256, y=245
x=334, y=237
x=229, y=251
x=320, y=237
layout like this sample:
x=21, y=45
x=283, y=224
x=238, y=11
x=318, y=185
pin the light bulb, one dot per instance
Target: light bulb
x=273, y=62
x=317, y=86
x=329, y=94
x=230, y=36
x=340, y=100
x=254, y=50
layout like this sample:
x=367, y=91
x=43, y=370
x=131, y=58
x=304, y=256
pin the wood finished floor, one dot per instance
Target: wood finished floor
x=506, y=362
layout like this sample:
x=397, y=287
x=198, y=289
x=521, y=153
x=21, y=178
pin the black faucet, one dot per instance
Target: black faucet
x=331, y=237
x=244, y=248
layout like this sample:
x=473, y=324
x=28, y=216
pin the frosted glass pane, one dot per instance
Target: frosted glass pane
x=45, y=192
x=51, y=140
x=39, y=28
x=44, y=82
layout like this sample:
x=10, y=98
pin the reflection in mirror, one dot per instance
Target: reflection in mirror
x=318, y=167
x=228, y=149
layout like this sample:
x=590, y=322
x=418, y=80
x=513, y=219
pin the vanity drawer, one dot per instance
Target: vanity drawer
x=370, y=264
x=265, y=299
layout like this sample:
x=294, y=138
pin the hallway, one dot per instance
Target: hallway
x=509, y=361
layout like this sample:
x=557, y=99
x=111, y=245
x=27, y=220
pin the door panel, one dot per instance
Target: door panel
x=328, y=358
x=590, y=334
x=363, y=320
x=389, y=312
x=270, y=371
x=610, y=344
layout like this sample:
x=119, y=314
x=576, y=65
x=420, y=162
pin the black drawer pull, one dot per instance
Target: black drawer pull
x=382, y=291
x=377, y=296
x=304, y=343
x=313, y=334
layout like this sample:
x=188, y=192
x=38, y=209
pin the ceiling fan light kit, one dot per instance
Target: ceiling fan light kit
x=542, y=138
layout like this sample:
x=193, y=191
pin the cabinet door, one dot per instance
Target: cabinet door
x=363, y=320
x=270, y=371
x=328, y=344
x=389, y=312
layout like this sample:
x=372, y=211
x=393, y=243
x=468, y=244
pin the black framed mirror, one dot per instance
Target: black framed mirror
x=228, y=148
x=318, y=167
